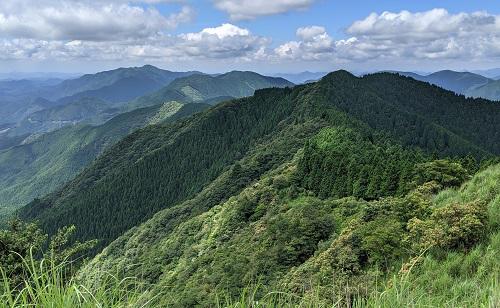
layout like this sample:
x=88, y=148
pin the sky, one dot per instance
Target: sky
x=267, y=36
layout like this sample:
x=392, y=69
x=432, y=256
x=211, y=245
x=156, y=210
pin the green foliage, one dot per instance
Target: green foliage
x=444, y=172
x=15, y=243
x=24, y=241
x=455, y=226
x=296, y=233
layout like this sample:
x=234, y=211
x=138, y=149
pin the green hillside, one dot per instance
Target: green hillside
x=281, y=245
x=162, y=166
x=198, y=87
x=42, y=165
x=56, y=158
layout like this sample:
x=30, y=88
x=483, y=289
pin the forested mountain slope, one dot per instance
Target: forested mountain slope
x=43, y=164
x=475, y=120
x=318, y=251
x=196, y=88
x=161, y=166
x=45, y=167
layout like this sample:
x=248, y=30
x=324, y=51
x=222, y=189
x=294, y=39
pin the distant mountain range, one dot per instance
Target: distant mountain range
x=302, y=77
x=118, y=85
x=493, y=73
x=466, y=83
x=20, y=98
x=42, y=106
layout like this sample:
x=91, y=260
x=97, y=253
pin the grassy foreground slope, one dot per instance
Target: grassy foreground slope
x=162, y=166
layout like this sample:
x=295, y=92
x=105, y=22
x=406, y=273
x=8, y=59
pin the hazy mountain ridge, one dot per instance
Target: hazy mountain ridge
x=458, y=82
x=466, y=83
x=489, y=91
x=200, y=87
x=114, y=87
x=302, y=77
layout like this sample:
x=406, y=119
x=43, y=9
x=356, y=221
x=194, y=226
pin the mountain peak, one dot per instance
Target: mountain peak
x=338, y=75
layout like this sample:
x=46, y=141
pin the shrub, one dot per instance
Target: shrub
x=455, y=226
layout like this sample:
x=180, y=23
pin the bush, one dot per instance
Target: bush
x=443, y=172
x=455, y=226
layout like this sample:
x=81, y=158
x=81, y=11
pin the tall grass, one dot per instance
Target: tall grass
x=46, y=284
x=400, y=291
x=455, y=280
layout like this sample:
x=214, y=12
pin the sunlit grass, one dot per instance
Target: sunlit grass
x=45, y=285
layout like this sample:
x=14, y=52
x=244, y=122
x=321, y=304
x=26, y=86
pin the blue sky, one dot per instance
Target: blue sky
x=335, y=15
x=262, y=35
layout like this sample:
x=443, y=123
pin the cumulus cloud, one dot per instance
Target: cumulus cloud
x=430, y=35
x=107, y=20
x=433, y=34
x=250, y=9
x=315, y=44
x=224, y=42
x=121, y=30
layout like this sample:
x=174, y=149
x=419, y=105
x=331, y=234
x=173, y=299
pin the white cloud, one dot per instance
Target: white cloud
x=120, y=30
x=221, y=32
x=224, y=42
x=403, y=36
x=250, y=9
x=315, y=44
x=107, y=20
x=434, y=34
